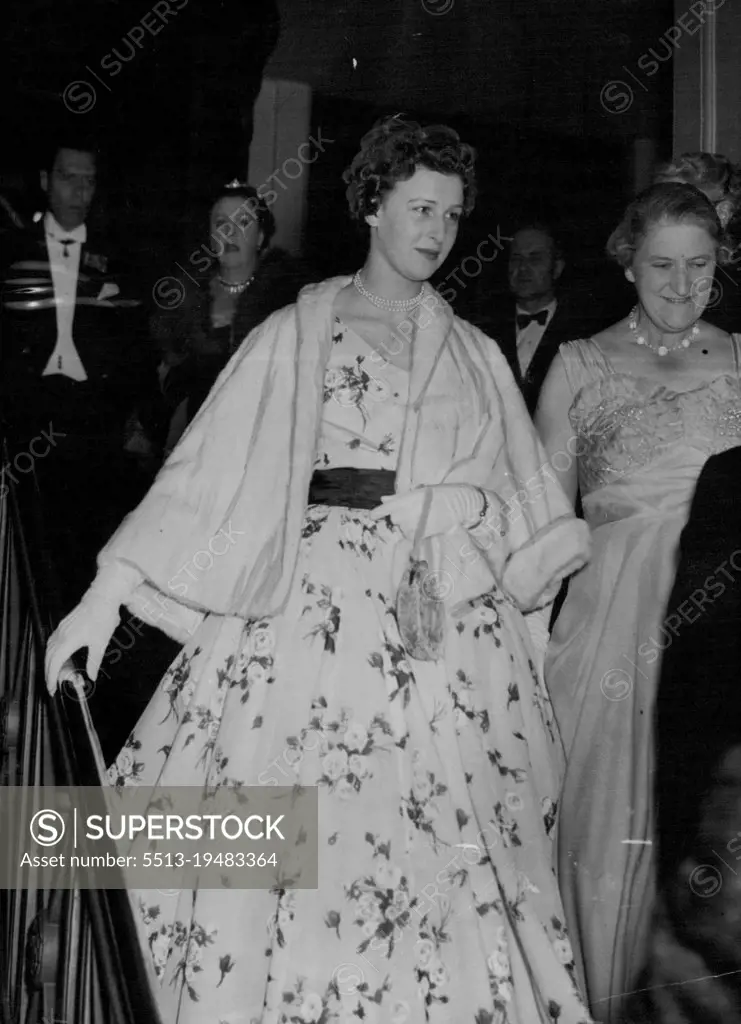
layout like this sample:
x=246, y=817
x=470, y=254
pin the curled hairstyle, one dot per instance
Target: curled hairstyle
x=703, y=170
x=669, y=202
x=253, y=204
x=393, y=150
x=78, y=142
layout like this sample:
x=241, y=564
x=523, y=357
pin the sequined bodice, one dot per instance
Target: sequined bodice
x=625, y=423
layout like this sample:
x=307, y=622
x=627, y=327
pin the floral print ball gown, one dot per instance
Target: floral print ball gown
x=437, y=900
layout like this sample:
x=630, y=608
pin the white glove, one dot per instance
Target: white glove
x=92, y=623
x=452, y=505
x=537, y=625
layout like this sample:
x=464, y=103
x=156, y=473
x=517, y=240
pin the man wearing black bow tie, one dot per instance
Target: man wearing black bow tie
x=75, y=366
x=529, y=334
x=535, y=265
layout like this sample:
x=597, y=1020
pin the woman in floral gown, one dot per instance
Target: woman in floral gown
x=631, y=416
x=311, y=460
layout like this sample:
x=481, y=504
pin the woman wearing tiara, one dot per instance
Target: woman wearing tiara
x=362, y=423
x=238, y=280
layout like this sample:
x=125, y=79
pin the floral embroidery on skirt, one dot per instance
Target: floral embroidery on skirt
x=438, y=782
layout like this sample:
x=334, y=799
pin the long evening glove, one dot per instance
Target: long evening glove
x=452, y=505
x=92, y=623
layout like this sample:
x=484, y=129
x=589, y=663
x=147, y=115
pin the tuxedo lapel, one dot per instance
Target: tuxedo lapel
x=92, y=260
x=93, y=271
x=507, y=336
x=556, y=331
x=552, y=337
x=555, y=334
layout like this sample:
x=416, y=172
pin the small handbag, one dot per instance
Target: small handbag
x=420, y=610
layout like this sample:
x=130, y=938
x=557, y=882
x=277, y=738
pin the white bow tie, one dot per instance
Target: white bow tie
x=65, y=238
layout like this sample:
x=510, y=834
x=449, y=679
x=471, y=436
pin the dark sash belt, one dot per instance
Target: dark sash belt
x=350, y=487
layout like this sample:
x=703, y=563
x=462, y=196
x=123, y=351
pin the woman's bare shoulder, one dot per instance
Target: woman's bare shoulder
x=612, y=337
x=715, y=334
x=346, y=303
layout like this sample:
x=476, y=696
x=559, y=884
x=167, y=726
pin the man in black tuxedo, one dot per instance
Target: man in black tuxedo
x=77, y=374
x=530, y=332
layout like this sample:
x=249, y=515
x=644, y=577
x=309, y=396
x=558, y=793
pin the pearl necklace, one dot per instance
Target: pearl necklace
x=662, y=350
x=235, y=289
x=390, y=305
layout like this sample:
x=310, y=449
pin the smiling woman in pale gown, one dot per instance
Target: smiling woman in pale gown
x=630, y=416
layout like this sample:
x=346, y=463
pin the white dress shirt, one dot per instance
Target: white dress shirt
x=65, y=359
x=530, y=337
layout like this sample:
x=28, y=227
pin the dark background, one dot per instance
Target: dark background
x=522, y=80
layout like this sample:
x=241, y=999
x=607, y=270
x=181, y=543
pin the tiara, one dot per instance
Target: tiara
x=236, y=183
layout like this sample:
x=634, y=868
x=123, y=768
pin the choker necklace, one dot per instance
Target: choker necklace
x=661, y=350
x=234, y=289
x=390, y=305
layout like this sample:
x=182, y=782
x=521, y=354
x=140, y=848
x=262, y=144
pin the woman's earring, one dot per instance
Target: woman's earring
x=724, y=209
x=630, y=275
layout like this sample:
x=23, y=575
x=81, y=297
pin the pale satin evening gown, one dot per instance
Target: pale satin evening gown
x=641, y=447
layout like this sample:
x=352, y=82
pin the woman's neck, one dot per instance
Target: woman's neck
x=384, y=282
x=237, y=273
x=655, y=336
